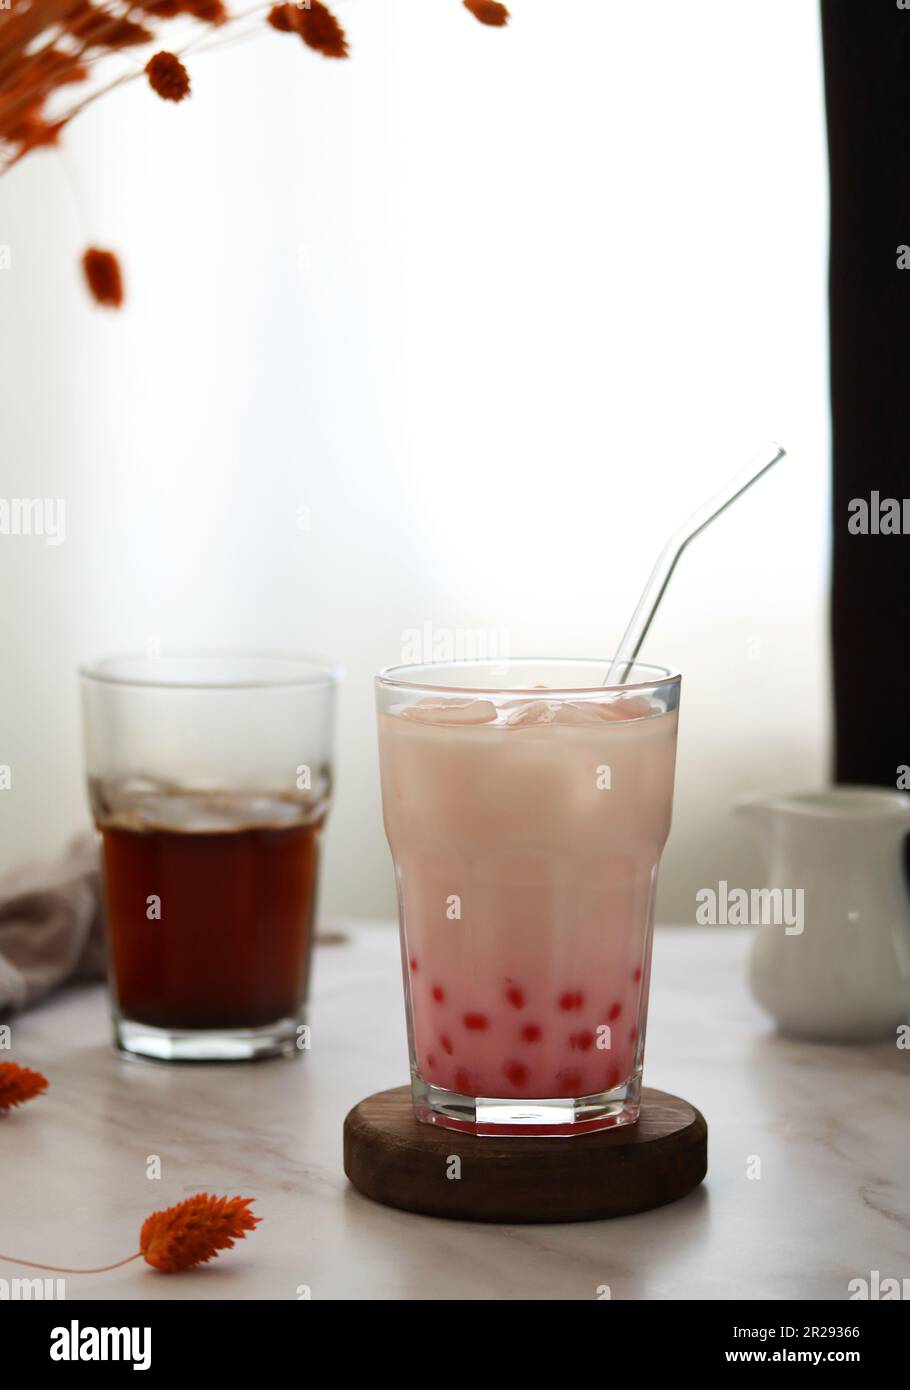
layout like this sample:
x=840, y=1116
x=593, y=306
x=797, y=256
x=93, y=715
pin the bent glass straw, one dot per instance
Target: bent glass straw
x=654, y=590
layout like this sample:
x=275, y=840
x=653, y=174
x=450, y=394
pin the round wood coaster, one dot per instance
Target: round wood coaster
x=393, y=1159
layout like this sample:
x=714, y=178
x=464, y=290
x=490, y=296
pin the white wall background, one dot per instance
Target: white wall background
x=498, y=307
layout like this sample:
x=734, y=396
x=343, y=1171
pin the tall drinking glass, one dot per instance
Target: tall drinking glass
x=209, y=779
x=526, y=807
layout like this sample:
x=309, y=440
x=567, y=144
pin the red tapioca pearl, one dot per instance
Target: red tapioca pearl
x=476, y=1022
x=632, y=1036
x=613, y=1012
x=572, y=999
x=516, y=997
x=445, y=1042
x=636, y=974
x=516, y=1072
x=569, y=1082
x=532, y=1033
x=431, y=1062
x=413, y=964
x=439, y=993
x=581, y=1042
x=463, y=1081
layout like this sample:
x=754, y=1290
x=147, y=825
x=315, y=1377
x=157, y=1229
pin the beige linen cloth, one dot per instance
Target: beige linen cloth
x=51, y=925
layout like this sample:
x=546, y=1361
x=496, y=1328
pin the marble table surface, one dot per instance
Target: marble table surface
x=830, y=1126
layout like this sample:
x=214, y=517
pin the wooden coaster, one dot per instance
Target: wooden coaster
x=393, y=1159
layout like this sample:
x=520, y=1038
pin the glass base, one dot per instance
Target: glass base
x=278, y=1039
x=559, y=1117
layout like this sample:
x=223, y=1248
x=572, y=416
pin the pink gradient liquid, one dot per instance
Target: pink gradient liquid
x=526, y=842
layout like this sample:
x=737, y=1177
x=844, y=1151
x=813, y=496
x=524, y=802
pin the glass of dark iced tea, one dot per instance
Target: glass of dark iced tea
x=209, y=779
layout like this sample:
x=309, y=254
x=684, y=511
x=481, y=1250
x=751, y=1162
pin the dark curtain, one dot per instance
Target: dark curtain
x=867, y=82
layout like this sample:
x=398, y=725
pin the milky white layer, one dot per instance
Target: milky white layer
x=554, y=873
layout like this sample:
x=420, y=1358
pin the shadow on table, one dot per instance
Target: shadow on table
x=425, y=1257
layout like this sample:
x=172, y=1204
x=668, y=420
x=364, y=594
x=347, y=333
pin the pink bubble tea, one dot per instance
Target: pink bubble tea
x=526, y=807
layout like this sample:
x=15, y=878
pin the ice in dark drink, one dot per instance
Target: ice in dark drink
x=210, y=907
x=209, y=782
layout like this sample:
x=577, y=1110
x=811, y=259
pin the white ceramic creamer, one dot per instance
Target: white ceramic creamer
x=846, y=975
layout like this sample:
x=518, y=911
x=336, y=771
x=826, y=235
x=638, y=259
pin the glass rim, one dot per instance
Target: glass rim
x=312, y=671
x=396, y=676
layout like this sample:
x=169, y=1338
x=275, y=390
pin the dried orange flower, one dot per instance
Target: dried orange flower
x=32, y=132
x=488, y=11
x=194, y=1231
x=319, y=29
x=207, y=11
x=168, y=77
x=189, y=1234
x=279, y=16
x=102, y=271
x=98, y=28
x=161, y=9
x=48, y=45
x=18, y=1084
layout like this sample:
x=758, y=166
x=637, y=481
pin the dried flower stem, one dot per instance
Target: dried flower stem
x=62, y=1269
